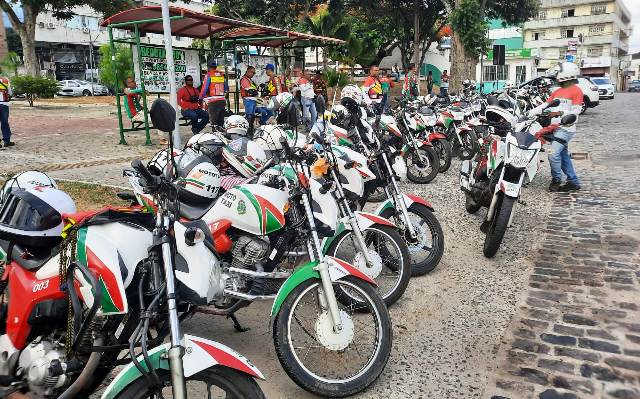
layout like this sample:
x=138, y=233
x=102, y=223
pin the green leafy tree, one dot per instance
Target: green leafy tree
x=62, y=9
x=10, y=63
x=34, y=87
x=123, y=64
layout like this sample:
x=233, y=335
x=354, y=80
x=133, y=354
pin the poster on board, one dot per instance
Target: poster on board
x=154, y=67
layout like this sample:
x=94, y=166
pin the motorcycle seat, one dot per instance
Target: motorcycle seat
x=29, y=258
x=195, y=211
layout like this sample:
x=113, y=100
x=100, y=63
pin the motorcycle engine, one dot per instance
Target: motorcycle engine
x=36, y=360
x=249, y=252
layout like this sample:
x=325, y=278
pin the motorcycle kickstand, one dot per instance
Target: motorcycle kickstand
x=236, y=324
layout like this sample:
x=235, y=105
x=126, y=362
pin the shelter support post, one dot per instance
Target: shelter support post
x=117, y=85
x=144, y=91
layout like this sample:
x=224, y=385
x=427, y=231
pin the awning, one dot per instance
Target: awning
x=202, y=26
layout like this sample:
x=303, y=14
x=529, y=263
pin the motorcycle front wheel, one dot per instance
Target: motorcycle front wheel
x=428, y=247
x=391, y=266
x=443, y=148
x=470, y=145
x=321, y=360
x=423, y=165
x=498, y=226
x=216, y=382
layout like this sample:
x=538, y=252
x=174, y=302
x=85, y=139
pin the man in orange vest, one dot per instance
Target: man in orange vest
x=5, y=96
x=372, y=87
x=213, y=93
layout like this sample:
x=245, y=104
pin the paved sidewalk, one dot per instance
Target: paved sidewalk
x=577, y=334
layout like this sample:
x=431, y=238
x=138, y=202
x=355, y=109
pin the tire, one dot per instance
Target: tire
x=584, y=106
x=470, y=146
x=324, y=385
x=427, y=220
x=233, y=382
x=86, y=93
x=470, y=204
x=426, y=173
x=443, y=149
x=499, y=224
x=398, y=263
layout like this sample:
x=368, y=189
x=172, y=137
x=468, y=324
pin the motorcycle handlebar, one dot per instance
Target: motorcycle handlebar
x=145, y=176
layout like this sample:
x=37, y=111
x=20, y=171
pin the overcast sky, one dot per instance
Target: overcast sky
x=634, y=9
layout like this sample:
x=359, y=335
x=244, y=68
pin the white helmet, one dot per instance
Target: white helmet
x=158, y=164
x=25, y=181
x=198, y=178
x=236, y=124
x=567, y=71
x=269, y=136
x=353, y=92
x=281, y=101
x=500, y=118
x=206, y=143
x=245, y=156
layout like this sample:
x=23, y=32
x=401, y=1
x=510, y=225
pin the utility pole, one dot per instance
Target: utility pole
x=416, y=37
x=173, y=99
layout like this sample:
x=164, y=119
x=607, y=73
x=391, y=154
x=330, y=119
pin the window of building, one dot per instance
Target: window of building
x=568, y=12
x=598, y=9
x=542, y=14
x=521, y=73
x=594, y=51
x=566, y=33
x=596, y=29
x=538, y=35
x=495, y=72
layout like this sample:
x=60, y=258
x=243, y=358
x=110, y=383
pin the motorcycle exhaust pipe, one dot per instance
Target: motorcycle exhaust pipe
x=86, y=374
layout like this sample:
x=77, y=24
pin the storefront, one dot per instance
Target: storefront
x=519, y=67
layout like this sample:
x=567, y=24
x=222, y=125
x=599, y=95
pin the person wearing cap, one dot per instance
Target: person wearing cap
x=320, y=88
x=273, y=84
x=305, y=88
x=213, y=93
x=249, y=94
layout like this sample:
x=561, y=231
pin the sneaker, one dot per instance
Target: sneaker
x=9, y=143
x=569, y=187
x=554, y=186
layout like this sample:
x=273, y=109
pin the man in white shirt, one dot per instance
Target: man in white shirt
x=307, y=95
x=5, y=96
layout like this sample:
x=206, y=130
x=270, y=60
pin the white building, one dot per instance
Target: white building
x=593, y=33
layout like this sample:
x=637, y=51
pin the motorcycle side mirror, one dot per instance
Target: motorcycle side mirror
x=554, y=103
x=163, y=115
x=569, y=119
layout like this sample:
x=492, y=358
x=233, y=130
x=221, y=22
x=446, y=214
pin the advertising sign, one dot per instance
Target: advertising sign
x=154, y=67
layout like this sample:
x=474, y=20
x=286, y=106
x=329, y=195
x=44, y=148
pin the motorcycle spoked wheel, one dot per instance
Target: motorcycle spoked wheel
x=212, y=381
x=443, y=149
x=427, y=251
x=498, y=226
x=324, y=366
x=389, y=254
x=470, y=145
x=425, y=170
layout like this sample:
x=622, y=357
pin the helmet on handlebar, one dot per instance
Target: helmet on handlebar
x=158, y=164
x=340, y=115
x=198, y=178
x=501, y=119
x=351, y=97
x=245, y=156
x=26, y=180
x=236, y=124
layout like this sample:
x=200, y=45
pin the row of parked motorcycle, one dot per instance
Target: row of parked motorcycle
x=237, y=216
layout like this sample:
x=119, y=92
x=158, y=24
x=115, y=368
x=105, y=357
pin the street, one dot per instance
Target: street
x=556, y=311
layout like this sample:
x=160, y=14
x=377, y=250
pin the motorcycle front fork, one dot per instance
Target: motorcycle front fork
x=398, y=199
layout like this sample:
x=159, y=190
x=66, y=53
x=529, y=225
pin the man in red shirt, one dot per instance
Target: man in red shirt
x=191, y=105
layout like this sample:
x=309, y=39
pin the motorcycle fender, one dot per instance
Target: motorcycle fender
x=337, y=270
x=509, y=189
x=408, y=200
x=437, y=136
x=200, y=354
x=465, y=175
x=366, y=220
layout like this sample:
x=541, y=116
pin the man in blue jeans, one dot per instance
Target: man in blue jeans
x=191, y=105
x=307, y=96
x=5, y=96
x=249, y=94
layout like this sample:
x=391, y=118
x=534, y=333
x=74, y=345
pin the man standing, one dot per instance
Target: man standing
x=190, y=105
x=273, y=84
x=444, y=84
x=5, y=97
x=249, y=94
x=396, y=72
x=372, y=87
x=285, y=81
x=320, y=88
x=387, y=85
x=430, y=82
x=213, y=93
x=307, y=95
x=410, y=88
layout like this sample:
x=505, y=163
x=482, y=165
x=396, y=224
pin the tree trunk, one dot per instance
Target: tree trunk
x=27, y=33
x=462, y=66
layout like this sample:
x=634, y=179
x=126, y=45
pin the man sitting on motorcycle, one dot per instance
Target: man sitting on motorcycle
x=571, y=98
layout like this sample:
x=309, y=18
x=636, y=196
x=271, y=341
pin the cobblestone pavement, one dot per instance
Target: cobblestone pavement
x=577, y=331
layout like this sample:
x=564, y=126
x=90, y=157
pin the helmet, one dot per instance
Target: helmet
x=351, y=92
x=282, y=100
x=500, y=118
x=236, y=124
x=268, y=137
x=158, y=164
x=567, y=71
x=33, y=217
x=245, y=156
x=340, y=115
x=198, y=178
x=206, y=143
x=26, y=180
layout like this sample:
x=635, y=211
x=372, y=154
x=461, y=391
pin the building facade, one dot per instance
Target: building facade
x=592, y=33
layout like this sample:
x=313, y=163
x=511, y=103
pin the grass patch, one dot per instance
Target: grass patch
x=89, y=196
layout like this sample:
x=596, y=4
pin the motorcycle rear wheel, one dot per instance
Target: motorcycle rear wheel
x=314, y=368
x=443, y=148
x=422, y=172
x=216, y=380
x=498, y=226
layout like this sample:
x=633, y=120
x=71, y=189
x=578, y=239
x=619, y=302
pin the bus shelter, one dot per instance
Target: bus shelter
x=228, y=39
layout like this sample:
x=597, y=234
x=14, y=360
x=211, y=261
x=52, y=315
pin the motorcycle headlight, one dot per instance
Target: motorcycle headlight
x=519, y=157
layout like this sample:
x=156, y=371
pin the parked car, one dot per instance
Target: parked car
x=634, y=85
x=605, y=88
x=75, y=88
